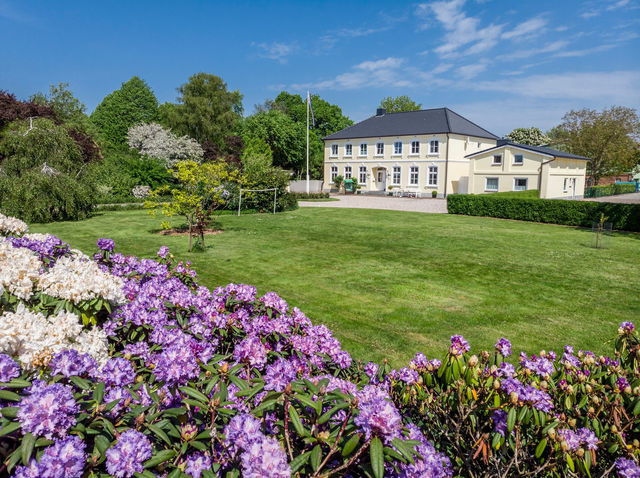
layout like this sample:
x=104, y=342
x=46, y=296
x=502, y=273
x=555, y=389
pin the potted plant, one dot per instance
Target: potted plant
x=434, y=194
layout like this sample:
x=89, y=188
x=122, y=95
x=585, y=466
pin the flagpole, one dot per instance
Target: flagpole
x=308, y=101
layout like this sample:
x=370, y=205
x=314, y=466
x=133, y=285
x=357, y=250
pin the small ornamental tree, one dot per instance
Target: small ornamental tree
x=151, y=139
x=532, y=136
x=203, y=189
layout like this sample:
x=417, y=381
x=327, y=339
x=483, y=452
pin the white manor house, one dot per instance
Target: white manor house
x=417, y=152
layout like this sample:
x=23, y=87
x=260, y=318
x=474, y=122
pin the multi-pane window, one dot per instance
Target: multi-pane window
x=415, y=147
x=413, y=175
x=518, y=159
x=434, y=146
x=433, y=176
x=334, y=173
x=497, y=159
x=348, y=149
x=397, y=147
x=396, y=175
x=334, y=150
x=491, y=184
x=363, y=149
x=520, y=184
x=347, y=172
x=380, y=149
x=362, y=177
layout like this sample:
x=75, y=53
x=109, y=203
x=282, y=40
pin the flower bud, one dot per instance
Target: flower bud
x=580, y=452
x=572, y=422
x=614, y=429
x=564, y=445
x=588, y=388
x=513, y=397
x=473, y=361
x=591, y=411
x=551, y=433
x=496, y=384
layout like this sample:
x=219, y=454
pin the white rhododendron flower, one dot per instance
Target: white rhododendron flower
x=12, y=226
x=151, y=139
x=19, y=270
x=28, y=336
x=78, y=279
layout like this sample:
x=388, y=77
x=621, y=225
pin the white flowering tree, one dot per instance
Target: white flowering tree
x=151, y=139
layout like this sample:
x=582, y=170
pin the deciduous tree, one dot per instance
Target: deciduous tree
x=398, y=104
x=151, y=139
x=532, y=136
x=609, y=138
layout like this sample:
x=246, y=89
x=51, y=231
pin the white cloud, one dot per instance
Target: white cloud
x=548, y=48
x=275, y=50
x=584, y=52
x=328, y=41
x=442, y=68
x=609, y=86
x=528, y=28
x=462, y=30
x=470, y=71
x=374, y=73
x=604, y=6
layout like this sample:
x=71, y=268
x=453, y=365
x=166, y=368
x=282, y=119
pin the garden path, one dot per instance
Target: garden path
x=382, y=202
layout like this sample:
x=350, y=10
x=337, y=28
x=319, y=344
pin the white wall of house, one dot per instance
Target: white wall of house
x=417, y=151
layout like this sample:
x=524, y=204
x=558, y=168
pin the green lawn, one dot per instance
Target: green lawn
x=391, y=284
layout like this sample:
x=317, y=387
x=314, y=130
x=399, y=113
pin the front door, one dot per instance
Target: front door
x=381, y=180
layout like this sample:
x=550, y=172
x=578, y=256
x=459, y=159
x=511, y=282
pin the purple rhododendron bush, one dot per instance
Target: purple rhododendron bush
x=113, y=365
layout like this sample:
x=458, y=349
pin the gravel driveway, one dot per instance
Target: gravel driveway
x=382, y=202
x=632, y=198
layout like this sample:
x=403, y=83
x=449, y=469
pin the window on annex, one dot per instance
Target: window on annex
x=363, y=149
x=347, y=172
x=434, y=146
x=491, y=184
x=397, y=147
x=334, y=150
x=334, y=173
x=520, y=184
x=396, y=175
x=362, y=177
x=518, y=159
x=415, y=147
x=348, y=149
x=380, y=149
x=413, y=175
x=497, y=159
x=433, y=176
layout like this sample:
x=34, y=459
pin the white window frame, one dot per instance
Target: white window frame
x=397, y=151
x=379, y=148
x=366, y=149
x=526, y=185
x=397, y=170
x=434, y=147
x=348, y=172
x=415, y=147
x=362, y=170
x=334, y=173
x=331, y=153
x=414, y=175
x=350, y=153
x=496, y=163
x=486, y=184
x=518, y=163
x=432, y=176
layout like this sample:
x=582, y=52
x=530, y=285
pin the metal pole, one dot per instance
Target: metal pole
x=308, y=101
x=239, y=201
x=275, y=193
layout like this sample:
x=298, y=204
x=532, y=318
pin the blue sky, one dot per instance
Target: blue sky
x=503, y=64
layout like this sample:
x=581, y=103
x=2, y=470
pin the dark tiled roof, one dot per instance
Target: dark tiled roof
x=433, y=121
x=536, y=149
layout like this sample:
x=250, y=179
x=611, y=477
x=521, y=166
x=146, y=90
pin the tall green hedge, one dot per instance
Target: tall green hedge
x=609, y=190
x=556, y=211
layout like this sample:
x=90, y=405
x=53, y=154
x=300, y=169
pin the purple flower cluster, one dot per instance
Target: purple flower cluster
x=378, y=415
x=48, y=249
x=64, y=459
x=581, y=437
x=118, y=372
x=422, y=364
x=459, y=346
x=106, y=244
x=127, y=456
x=406, y=375
x=503, y=346
x=196, y=464
x=69, y=363
x=252, y=351
x=176, y=364
x=8, y=368
x=540, y=365
x=260, y=455
x=627, y=468
x=428, y=464
x=627, y=327
x=47, y=410
x=528, y=394
x=499, y=418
